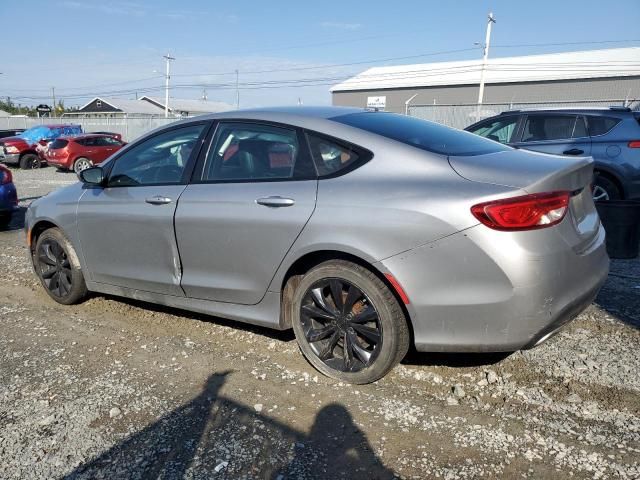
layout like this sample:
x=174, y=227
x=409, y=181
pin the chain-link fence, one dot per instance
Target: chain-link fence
x=461, y=116
x=458, y=116
x=130, y=128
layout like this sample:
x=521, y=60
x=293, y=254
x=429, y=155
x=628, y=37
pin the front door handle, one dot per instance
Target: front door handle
x=158, y=200
x=573, y=151
x=275, y=201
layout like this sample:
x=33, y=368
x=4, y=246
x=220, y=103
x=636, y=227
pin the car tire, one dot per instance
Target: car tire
x=29, y=161
x=605, y=189
x=369, y=320
x=5, y=220
x=58, y=268
x=80, y=164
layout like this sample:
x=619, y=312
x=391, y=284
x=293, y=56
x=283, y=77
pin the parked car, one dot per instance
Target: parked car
x=82, y=151
x=610, y=135
x=8, y=196
x=117, y=136
x=27, y=149
x=10, y=132
x=363, y=231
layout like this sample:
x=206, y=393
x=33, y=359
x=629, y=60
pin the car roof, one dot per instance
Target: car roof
x=590, y=110
x=293, y=111
x=84, y=135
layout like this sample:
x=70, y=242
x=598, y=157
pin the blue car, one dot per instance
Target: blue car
x=8, y=196
x=610, y=135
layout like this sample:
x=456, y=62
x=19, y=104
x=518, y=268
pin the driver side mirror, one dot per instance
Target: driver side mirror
x=92, y=176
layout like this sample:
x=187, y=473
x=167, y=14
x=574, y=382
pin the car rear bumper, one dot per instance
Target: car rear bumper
x=481, y=290
x=8, y=199
x=58, y=162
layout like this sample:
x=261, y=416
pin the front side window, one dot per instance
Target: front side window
x=106, y=142
x=248, y=151
x=499, y=130
x=160, y=160
x=552, y=127
x=330, y=157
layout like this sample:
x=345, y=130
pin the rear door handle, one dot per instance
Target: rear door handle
x=158, y=200
x=573, y=151
x=275, y=201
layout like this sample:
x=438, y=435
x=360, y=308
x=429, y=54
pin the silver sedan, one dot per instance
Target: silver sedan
x=363, y=231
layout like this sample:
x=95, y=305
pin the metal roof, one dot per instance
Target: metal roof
x=189, y=105
x=127, y=106
x=616, y=62
x=4, y=114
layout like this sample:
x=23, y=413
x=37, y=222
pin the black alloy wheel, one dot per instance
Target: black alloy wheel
x=341, y=325
x=55, y=268
x=58, y=267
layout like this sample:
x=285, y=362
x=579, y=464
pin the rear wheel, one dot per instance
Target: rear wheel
x=58, y=268
x=5, y=220
x=605, y=189
x=29, y=161
x=348, y=323
x=81, y=164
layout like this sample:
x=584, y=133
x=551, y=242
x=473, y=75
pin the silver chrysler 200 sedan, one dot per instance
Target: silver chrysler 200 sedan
x=363, y=231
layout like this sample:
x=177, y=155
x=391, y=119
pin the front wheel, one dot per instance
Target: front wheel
x=56, y=264
x=348, y=323
x=29, y=161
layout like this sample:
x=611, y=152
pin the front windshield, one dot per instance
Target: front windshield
x=35, y=134
x=41, y=132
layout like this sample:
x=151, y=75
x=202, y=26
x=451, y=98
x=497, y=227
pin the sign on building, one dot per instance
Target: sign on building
x=378, y=103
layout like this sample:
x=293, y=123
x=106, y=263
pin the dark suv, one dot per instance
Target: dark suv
x=610, y=135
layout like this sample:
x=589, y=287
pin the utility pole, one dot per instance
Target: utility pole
x=237, y=91
x=168, y=58
x=53, y=94
x=485, y=56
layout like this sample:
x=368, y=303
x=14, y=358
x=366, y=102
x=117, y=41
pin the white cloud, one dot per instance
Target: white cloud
x=114, y=8
x=341, y=26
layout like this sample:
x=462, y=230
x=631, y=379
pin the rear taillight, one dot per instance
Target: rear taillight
x=528, y=212
x=634, y=144
x=5, y=175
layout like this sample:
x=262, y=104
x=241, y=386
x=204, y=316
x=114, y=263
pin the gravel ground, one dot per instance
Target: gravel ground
x=114, y=388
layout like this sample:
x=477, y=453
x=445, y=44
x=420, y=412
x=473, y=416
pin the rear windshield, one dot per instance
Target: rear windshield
x=422, y=134
x=58, y=144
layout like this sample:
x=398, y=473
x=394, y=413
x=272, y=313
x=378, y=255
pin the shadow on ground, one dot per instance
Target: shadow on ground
x=197, y=438
x=620, y=295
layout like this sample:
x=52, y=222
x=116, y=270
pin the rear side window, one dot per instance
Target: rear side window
x=58, y=144
x=248, y=151
x=600, y=125
x=421, y=134
x=330, y=157
x=553, y=127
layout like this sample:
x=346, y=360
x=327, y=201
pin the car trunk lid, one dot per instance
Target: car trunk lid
x=539, y=173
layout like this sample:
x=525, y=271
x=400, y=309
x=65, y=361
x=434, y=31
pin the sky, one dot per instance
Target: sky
x=285, y=51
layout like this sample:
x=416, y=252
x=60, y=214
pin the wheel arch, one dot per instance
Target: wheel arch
x=27, y=152
x=305, y=262
x=38, y=229
x=612, y=176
